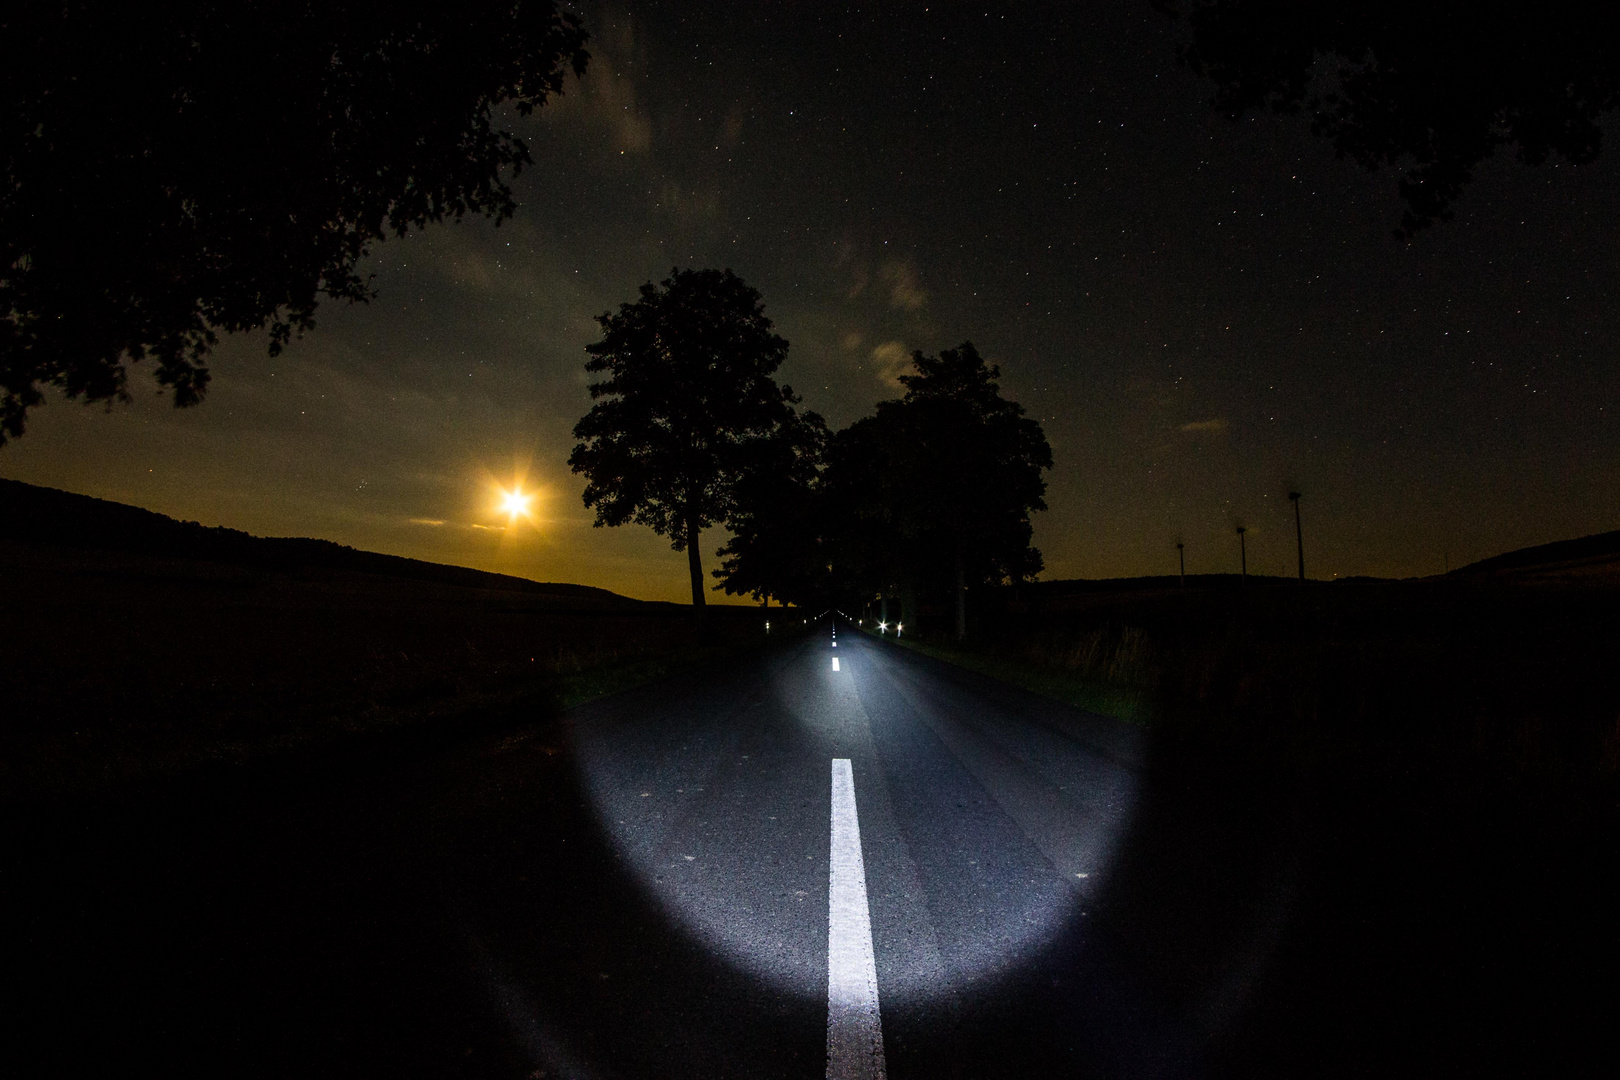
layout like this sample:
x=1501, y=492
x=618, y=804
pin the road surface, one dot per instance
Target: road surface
x=782, y=868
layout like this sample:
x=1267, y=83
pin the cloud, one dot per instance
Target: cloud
x=1216, y=426
x=852, y=340
x=860, y=283
x=892, y=360
x=905, y=290
x=691, y=207
x=896, y=280
x=606, y=96
x=427, y=521
x=734, y=125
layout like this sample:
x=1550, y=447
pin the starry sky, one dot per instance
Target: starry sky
x=1201, y=313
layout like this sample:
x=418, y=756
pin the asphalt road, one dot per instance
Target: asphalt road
x=640, y=888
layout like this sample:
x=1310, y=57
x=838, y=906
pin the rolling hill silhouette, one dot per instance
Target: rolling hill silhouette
x=45, y=516
x=1597, y=548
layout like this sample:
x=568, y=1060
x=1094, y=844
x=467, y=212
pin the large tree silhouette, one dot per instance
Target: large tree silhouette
x=864, y=545
x=689, y=405
x=177, y=170
x=776, y=547
x=1432, y=89
x=945, y=480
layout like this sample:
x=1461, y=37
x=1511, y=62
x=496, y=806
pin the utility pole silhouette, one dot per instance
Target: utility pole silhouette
x=1243, y=555
x=1181, y=554
x=1299, y=534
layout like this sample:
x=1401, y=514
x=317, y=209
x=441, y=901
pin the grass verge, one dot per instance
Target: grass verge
x=1131, y=704
x=131, y=668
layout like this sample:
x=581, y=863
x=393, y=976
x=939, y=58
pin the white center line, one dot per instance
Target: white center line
x=835, y=663
x=854, y=1028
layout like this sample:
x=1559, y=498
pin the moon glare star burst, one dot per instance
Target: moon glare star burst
x=515, y=503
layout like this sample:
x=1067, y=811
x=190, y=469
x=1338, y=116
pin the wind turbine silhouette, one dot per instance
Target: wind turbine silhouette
x=1299, y=533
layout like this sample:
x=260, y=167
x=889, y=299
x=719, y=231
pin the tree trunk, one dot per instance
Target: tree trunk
x=694, y=559
x=883, y=608
x=961, y=592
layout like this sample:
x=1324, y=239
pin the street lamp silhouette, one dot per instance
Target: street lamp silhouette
x=1243, y=555
x=1299, y=533
x=1181, y=554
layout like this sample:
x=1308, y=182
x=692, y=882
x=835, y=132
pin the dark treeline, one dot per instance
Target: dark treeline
x=911, y=508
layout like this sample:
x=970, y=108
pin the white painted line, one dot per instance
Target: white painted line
x=835, y=663
x=854, y=1027
x=835, y=644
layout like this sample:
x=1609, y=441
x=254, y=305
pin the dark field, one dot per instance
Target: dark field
x=1477, y=680
x=125, y=665
x=1437, y=766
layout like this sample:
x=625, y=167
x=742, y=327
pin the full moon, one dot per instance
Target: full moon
x=515, y=502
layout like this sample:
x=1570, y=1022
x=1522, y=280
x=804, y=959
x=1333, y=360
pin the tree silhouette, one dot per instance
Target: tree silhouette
x=864, y=546
x=963, y=473
x=776, y=548
x=177, y=170
x=687, y=410
x=1430, y=89
x=1299, y=533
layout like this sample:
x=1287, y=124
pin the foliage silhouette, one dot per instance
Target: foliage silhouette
x=1430, y=89
x=776, y=549
x=951, y=473
x=239, y=170
x=688, y=409
x=865, y=548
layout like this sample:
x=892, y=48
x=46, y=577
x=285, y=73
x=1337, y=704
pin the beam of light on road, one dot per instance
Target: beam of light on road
x=655, y=766
x=854, y=1024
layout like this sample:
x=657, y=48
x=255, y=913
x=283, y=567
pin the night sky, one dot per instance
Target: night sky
x=1200, y=313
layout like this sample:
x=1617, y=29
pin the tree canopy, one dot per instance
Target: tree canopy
x=1431, y=89
x=177, y=170
x=932, y=494
x=688, y=409
x=939, y=484
x=776, y=547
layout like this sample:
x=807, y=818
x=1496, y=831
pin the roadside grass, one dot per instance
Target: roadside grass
x=126, y=668
x=1124, y=702
x=579, y=687
x=1430, y=686
x=1423, y=778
